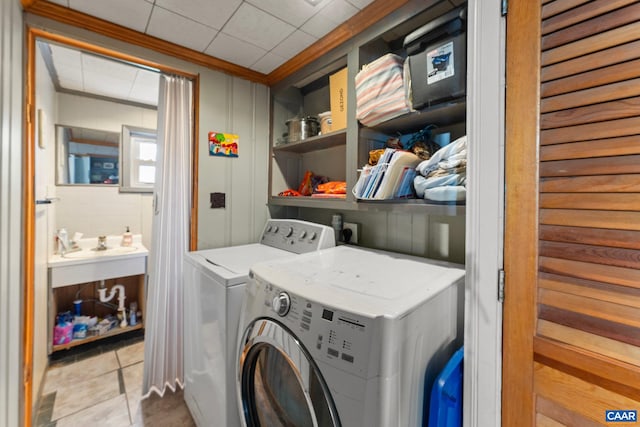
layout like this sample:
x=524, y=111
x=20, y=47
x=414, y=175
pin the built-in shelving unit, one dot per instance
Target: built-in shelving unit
x=339, y=155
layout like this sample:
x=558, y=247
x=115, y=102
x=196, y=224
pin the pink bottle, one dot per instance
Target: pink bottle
x=63, y=331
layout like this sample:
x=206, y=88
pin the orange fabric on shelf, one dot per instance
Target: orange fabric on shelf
x=306, y=188
x=332, y=187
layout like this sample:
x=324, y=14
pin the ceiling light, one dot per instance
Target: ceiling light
x=313, y=2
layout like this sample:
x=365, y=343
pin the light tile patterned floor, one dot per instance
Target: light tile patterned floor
x=105, y=391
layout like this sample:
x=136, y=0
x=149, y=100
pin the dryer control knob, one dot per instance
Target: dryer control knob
x=289, y=232
x=281, y=304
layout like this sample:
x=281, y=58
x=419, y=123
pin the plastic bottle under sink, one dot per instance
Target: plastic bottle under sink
x=63, y=331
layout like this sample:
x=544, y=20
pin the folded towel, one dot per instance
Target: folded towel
x=446, y=194
x=448, y=155
x=421, y=184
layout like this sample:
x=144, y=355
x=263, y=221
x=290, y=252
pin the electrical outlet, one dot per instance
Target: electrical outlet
x=355, y=232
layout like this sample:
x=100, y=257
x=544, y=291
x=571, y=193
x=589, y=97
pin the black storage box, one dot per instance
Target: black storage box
x=437, y=54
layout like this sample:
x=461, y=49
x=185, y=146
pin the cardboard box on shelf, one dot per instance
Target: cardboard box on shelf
x=338, y=96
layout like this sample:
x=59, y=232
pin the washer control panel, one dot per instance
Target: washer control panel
x=297, y=236
x=337, y=337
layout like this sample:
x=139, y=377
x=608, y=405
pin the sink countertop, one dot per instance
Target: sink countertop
x=113, y=252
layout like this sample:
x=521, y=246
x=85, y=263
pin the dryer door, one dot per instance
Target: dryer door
x=279, y=384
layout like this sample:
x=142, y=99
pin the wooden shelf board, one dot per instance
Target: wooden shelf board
x=310, y=202
x=439, y=115
x=115, y=331
x=398, y=205
x=314, y=143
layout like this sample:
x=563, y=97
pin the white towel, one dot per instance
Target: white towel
x=446, y=194
x=455, y=151
x=421, y=184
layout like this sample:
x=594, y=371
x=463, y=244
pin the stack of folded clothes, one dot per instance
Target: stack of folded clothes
x=443, y=177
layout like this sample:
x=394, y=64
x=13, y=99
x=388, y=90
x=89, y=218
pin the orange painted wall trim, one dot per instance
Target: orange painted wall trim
x=29, y=231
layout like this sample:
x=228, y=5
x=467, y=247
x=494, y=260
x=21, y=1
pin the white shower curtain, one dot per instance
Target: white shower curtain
x=163, y=354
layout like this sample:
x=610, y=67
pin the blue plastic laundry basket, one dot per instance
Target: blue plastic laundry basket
x=445, y=409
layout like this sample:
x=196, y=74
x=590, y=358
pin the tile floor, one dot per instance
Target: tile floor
x=103, y=388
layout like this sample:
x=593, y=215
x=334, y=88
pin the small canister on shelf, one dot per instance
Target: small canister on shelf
x=325, y=122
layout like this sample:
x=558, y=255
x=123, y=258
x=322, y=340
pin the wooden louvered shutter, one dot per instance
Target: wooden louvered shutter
x=572, y=235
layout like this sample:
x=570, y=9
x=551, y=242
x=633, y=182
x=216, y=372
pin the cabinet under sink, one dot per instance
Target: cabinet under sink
x=79, y=274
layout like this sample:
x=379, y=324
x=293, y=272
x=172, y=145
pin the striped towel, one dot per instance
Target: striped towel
x=380, y=91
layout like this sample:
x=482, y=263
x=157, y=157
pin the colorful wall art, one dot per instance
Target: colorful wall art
x=223, y=144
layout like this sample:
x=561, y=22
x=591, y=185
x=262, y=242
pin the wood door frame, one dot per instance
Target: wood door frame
x=521, y=210
x=32, y=34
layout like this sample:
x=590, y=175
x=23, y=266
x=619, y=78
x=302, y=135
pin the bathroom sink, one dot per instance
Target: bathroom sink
x=89, y=264
x=94, y=253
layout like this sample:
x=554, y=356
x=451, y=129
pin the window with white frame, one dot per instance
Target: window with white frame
x=138, y=159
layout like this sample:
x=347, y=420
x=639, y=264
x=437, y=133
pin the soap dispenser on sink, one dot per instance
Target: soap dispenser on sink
x=127, y=238
x=62, y=238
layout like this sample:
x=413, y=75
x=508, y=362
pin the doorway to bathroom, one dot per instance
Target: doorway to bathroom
x=81, y=175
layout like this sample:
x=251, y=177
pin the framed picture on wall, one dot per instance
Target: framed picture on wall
x=223, y=144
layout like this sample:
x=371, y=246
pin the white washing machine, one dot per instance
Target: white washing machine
x=345, y=337
x=213, y=292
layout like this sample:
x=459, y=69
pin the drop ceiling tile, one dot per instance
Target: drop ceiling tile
x=338, y=11
x=177, y=29
x=105, y=77
x=145, y=87
x=128, y=13
x=294, y=44
x=100, y=67
x=233, y=50
x=68, y=73
x=318, y=26
x=295, y=12
x=71, y=84
x=268, y=63
x=63, y=55
x=107, y=86
x=329, y=17
x=213, y=13
x=257, y=27
x=361, y=4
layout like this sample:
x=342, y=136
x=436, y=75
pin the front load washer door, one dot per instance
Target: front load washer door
x=279, y=384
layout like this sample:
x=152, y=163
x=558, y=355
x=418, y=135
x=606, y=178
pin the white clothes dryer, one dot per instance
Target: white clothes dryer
x=214, y=281
x=345, y=337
